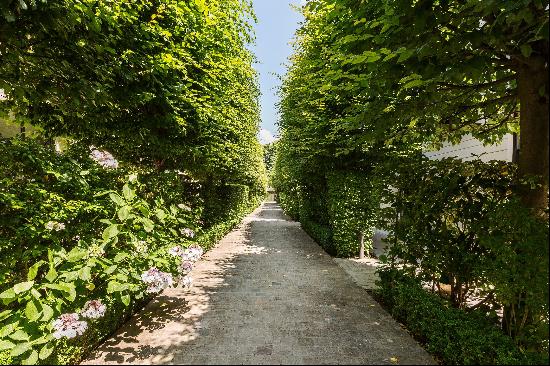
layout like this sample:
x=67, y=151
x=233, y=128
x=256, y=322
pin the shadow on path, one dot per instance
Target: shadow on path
x=266, y=294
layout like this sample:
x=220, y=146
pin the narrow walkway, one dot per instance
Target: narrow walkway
x=266, y=294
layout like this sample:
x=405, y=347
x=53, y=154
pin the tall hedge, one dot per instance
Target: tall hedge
x=353, y=204
x=166, y=92
x=373, y=84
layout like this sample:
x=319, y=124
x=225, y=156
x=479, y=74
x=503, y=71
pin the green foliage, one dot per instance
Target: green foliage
x=322, y=234
x=73, y=230
x=370, y=85
x=461, y=223
x=168, y=83
x=353, y=207
x=270, y=151
x=168, y=87
x=455, y=336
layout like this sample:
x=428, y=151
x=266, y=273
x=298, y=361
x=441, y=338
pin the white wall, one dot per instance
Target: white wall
x=471, y=148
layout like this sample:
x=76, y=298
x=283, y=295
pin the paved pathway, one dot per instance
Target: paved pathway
x=266, y=294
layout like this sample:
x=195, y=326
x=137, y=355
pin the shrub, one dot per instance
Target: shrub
x=322, y=234
x=90, y=233
x=462, y=223
x=453, y=335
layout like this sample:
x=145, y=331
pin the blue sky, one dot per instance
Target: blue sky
x=277, y=22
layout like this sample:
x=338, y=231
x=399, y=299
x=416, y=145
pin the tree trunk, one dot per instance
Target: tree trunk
x=533, y=161
x=533, y=156
x=361, y=244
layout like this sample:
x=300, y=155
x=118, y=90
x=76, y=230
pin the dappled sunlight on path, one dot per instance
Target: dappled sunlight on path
x=266, y=294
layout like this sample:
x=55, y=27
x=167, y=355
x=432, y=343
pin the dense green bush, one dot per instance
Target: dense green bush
x=290, y=202
x=461, y=223
x=455, y=336
x=353, y=205
x=169, y=88
x=88, y=232
x=322, y=234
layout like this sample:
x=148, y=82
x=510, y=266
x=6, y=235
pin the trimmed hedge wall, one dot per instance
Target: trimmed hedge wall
x=320, y=233
x=353, y=204
x=455, y=336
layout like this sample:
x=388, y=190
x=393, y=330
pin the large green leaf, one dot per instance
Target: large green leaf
x=23, y=287
x=33, y=310
x=117, y=199
x=8, y=296
x=114, y=286
x=128, y=193
x=5, y=344
x=148, y=225
x=20, y=335
x=33, y=270
x=32, y=359
x=20, y=348
x=45, y=351
x=124, y=212
x=47, y=312
x=76, y=254
x=110, y=232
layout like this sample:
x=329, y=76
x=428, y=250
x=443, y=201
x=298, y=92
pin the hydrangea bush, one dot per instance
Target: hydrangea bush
x=92, y=234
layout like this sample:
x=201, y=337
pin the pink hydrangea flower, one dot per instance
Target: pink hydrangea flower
x=176, y=251
x=93, y=309
x=68, y=325
x=185, y=267
x=186, y=281
x=194, y=253
x=188, y=232
x=156, y=280
x=104, y=158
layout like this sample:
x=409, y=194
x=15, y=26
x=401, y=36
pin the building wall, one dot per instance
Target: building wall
x=471, y=148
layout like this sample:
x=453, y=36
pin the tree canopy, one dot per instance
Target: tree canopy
x=376, y=76
x=164, y=82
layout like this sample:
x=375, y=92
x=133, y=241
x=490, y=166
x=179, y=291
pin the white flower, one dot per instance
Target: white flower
x=141, y=247
x=194, y=253
x=156, y=280
x=93, y=309
x=54, y=225
x=104, y=158
x=176, y=251
x=96, y=250
x=188, y=232
x=68, y=325
x=185, y=267
x=184, y=207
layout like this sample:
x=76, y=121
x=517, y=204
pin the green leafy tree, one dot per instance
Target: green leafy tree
x=168, y=83
x=374, y=80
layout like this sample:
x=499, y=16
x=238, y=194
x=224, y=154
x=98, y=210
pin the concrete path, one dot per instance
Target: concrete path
x=266, y=294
